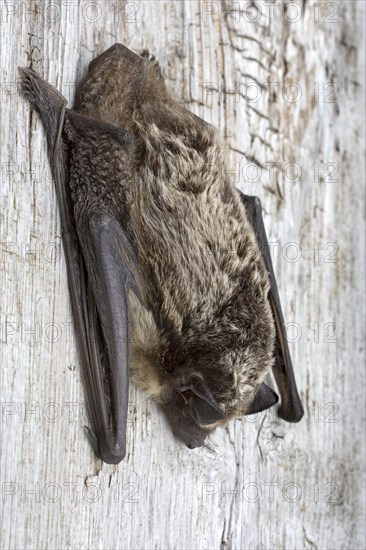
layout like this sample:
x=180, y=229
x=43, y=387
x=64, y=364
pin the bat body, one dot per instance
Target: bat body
x=168, y=264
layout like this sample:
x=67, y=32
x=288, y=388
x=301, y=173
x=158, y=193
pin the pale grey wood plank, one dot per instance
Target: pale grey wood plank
x=299, y=486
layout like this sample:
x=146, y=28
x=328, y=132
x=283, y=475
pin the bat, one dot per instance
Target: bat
x=169, y=269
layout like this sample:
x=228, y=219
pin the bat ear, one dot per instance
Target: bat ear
x=263, y=399
x=203, y=406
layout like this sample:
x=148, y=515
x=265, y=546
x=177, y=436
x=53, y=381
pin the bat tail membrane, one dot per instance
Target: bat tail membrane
x=98, y=282
x=291, y=408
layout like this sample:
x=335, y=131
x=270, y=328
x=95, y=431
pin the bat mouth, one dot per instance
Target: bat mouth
x=195, y=443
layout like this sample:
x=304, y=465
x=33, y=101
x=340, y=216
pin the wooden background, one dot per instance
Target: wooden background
x=298, y=144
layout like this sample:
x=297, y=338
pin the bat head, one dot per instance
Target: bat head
x=217, y=370
x=193, y=411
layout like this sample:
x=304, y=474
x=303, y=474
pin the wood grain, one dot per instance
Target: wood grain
x=260, y=483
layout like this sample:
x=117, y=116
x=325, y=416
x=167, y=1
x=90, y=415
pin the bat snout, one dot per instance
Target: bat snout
x=182, y=424
x=191, y=435
x=196, y=442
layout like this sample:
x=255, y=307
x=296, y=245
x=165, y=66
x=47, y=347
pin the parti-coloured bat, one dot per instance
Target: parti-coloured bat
x=168, y=264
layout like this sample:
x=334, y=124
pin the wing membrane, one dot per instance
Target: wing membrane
x=102, y=268
x=291, y=408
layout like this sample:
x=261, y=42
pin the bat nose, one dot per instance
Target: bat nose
x=195, y=444
x=191, y=435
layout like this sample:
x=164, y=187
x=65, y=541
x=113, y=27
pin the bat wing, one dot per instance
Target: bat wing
x=102, y=268
x=291, y=408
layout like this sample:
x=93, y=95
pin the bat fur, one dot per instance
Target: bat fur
x=208, y=312
x=203, y=319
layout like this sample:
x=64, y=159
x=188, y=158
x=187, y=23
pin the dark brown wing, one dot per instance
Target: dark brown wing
x=291, y=408
x=101, y=266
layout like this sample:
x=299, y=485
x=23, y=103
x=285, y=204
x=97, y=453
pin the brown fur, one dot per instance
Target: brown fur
x=206, y=308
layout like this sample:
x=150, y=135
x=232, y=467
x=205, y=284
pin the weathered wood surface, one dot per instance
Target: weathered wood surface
x=259, y=483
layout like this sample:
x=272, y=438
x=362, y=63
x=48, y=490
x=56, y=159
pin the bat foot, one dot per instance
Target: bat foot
x=153, y=61
x=39, y=92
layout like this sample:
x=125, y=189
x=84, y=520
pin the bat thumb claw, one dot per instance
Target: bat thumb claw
x=108, y=451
